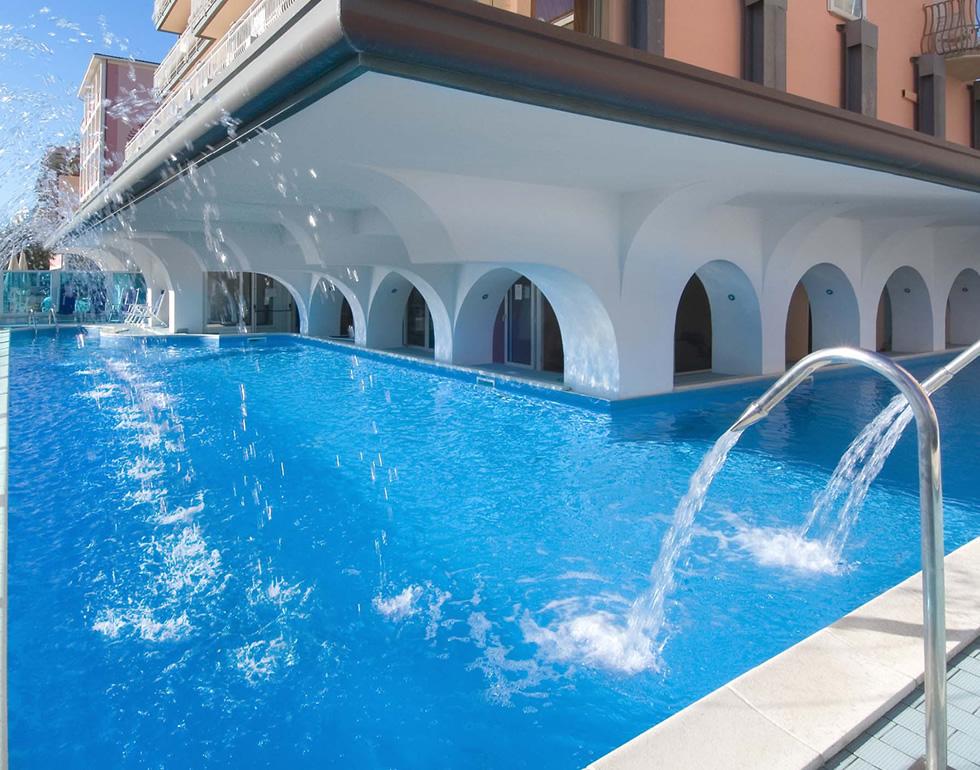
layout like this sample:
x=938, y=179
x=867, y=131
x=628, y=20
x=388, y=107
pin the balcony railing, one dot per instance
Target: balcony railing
x=951, y=28
x=185, y=53
x=171, y=15
x=228, y=51
x=160, y=10
x=201, y=10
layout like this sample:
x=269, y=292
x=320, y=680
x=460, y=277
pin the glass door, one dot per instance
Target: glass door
x=521, y=324
x=418, y=325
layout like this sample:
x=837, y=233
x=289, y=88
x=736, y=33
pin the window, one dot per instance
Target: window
x=848, y=9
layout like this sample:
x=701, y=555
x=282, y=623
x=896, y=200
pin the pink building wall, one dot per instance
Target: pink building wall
x=705, y=33
x=128, y=103
x=708, y=33
x=813, y=52
x=958, y=103
x=899, y=39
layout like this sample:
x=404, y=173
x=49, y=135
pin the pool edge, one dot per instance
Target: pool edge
x=799, y=709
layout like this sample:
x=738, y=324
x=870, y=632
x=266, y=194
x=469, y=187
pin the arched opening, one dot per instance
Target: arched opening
x=718, y=324
x=823, y=313
x=249, y=302
x=692, y=329
x=507, y=322
x=904, y=321
x=963, y=310
x=418, y=331
x=526, y=332
x=331, y=314
x=799, y=325
x=408, y=315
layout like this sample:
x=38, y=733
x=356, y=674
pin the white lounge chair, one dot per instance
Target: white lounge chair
x=143, y=315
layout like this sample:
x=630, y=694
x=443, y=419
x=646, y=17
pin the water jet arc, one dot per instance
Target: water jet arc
x=930, y=503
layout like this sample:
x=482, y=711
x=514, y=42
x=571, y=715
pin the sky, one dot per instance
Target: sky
x=45, y=46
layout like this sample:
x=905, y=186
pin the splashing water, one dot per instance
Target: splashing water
x=598, y=638
x=854, y=474
x=787, y=548
x=646, y=616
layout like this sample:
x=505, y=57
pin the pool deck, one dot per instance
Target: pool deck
x=896, y=740
x=802, y=708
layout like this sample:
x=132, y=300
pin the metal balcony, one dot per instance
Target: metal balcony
x=213, y=18
x=951, y=30
x=184, y=55
x=218, y=60
x=171, y=15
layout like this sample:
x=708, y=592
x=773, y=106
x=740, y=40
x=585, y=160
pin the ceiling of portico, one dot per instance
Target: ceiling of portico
x=397, y=126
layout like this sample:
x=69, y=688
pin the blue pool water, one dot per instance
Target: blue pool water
x=287, y=555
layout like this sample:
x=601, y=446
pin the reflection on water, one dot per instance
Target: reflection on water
x=296, y=556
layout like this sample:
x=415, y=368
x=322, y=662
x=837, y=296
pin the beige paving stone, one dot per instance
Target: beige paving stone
x=719, y=732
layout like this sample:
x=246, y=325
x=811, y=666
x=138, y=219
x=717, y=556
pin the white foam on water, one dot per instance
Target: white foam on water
x=574, y=575
x=788, y=548
x=508, y=677
x=598, y=639
x=188, y=564
x=261, y=660
x=141, y=621
x=183, y=513
x=144, y=469
x=435, y=613
x=631, y=644
x=147, y=495
x=109, y=624
x=101, y=392
x=400, y=606
x=171, y=629
x=480, y=626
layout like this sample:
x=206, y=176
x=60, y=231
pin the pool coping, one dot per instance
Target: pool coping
x=799, y=709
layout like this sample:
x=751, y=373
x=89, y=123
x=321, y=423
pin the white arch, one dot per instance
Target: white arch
x=301, y=308
x=736, y=318
x=833, y=306
x=963, y=309
x=326, y=300
x=386, y=311
x=589, y=344
x=911, y=328
x=473, y=329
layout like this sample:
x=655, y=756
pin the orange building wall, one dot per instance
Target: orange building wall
x=900, y=25
x=957, y=111
x=813, y=52
x=705, y=33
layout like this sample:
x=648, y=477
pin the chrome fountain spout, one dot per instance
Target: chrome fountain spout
x=930, y=503
x=943, y=375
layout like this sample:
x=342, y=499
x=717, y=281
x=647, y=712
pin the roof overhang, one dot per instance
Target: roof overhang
x=473, y=47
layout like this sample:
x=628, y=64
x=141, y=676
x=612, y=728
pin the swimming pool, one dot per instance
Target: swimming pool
x=289, y=554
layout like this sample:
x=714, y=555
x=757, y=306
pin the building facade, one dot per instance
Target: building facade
x=624, y=194
x=118, y=98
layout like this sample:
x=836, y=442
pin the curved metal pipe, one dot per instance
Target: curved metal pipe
x=943, y=375
x=930, y=502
